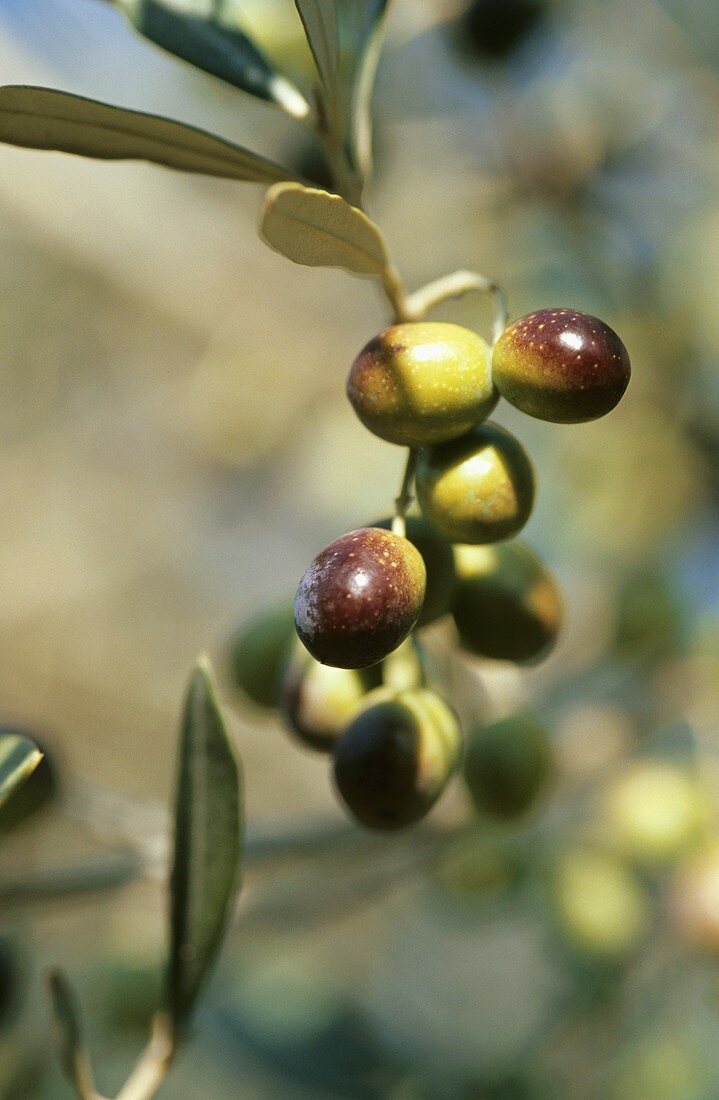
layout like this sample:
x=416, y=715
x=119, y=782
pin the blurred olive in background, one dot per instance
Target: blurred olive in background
x=394, y=760
x=651, y=617
x=37, y=793
x=439, y=561
x=507, y=605
x=655, y=811
x=694, y=898
x=507, y=764
x=601, y=909
x=494, y=29
x=258, y=653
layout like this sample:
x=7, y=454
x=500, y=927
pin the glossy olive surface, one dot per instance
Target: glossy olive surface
x=318, y=701
x=258, y=652
x=476, y=489
x=422, y=382
x=360, y=598
x=438, y=558
x=396, y=757
x=561, y=365
x=507, y=605
x=507, y=764
x=39, y=791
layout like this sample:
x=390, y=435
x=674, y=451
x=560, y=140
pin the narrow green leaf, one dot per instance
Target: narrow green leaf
x=42, y=118
x=208, y=845
x=19, y=756
x=317, y=229
x=68, y=1034
x=215, y=46
x=345, y=38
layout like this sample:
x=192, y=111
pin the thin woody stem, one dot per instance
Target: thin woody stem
x=151, y=1069
x=456, y=285
x=406, y=495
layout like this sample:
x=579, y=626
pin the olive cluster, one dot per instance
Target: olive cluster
x=357, y=688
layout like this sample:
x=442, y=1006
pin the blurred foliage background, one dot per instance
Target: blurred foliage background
x=175, y=445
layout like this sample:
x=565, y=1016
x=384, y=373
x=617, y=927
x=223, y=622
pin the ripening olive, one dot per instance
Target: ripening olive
x=318, y=701
x=396, y=757
x=479, y=488
x=360, y=598
x=561, y=365
x=439, y=561
x=39, y=791
x=507, y=765
x=258, y=653
x=507, y=606
x=495, y=28
x=422, y=382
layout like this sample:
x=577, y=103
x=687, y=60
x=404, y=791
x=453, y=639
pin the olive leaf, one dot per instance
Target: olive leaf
x=19, y=756
x=208, y=844
x=317, y=229
x=43, y=118
x=68, y=1034
x=345, y=37
x=210, y=43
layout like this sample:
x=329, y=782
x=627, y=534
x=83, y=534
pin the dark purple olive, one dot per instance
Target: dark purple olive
x=360, y=598
x=561, y=365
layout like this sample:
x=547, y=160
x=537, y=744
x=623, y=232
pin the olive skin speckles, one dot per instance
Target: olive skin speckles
x=422, y=382
x=561, y=365
x=439, y=561
x=360, y=598
x=476, y=489
x=396, y=757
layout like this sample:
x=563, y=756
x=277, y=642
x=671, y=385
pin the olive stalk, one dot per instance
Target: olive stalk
x=418, y=304
x=153, y=1064
x=405, y=495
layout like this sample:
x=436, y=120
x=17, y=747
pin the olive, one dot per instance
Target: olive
x=39, y=791
x=317, y=701
x=655, y=812
x=258, y=652
x=561, y=365
x=422, y=382
x=651, y=623
x=495, y=28
x=360, y=598
x=479, y=488
x=601, y=908
x=507, y=606
x=439, y=561
x=507, y=765
x=396, y=757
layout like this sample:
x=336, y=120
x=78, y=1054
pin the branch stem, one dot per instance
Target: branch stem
x=151, y=1069
x=456, y=285
x=405, y=496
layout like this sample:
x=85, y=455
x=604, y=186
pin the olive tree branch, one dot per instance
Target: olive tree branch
x=405, y=496
x=456, y=285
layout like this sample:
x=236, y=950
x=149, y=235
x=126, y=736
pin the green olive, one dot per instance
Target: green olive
x=422, y=382
x=360, y=598
x=476, y=489
x=601, y=908
x=507, y=605
x=318, y=701
x=439, y=561
x=258, y=653
x=651, y=622
x=561, y=365
x=39, y=791
x=507, y=765
x=396, y=757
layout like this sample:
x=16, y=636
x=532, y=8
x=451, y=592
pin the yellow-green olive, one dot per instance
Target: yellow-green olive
x=318, y=701
x=422, y=382
x=507, y=765
x=438, y=557
x=360, y=598
x=258, y=653
x=476, y=489
x=396, y=757
x=507, y=606
x=561, y=365
x=601, y=909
